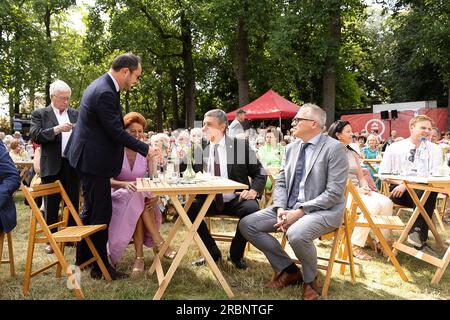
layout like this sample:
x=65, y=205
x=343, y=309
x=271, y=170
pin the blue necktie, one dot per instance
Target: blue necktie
x=298, y=175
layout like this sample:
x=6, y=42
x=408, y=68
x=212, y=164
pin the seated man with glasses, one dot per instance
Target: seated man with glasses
x=308, y=202
x=51, y=127
x=405, y=151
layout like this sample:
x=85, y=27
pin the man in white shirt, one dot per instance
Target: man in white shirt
x=236, y=128
x=404, y=151
x=51, y=127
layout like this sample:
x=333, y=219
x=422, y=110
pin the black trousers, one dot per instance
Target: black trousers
x=97, y=210
x=429, y=206
x=233, y=208
x=71, y=183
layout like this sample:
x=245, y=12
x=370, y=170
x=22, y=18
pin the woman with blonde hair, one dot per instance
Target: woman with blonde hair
x=18, y=152
x=135, y=214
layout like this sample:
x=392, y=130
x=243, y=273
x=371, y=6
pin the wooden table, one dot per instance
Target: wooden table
x=428, y=184
x=23, y=167
x=210, y=187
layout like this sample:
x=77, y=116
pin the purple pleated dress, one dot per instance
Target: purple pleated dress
x=127, y=208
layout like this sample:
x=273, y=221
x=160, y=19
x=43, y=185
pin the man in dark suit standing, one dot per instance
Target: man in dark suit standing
x=9, y=182
x=96, y=150
x=230, y=158
x=51, y=127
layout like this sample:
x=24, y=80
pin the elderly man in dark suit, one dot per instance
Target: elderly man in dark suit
x=96, y=150
x=233, y=159
x=9, y=182
x=51, y=127
x=308, y=202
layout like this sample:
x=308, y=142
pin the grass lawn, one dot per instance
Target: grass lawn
x=376, y=279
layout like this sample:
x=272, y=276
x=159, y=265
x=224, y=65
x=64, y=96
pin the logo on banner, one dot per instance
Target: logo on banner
x=375, y=124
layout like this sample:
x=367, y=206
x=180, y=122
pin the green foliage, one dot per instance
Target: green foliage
x=5, y=124
x=398, y=55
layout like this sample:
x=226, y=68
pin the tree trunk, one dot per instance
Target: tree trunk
x=329, y=75
x=48, y=74
x=242, y=68
x=189, y=72
x=159, y=102
x=174, y=99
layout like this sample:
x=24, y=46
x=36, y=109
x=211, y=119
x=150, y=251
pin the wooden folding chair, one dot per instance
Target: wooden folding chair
x=10, y=259
x=224, y=237
x=375, y=222
x=341, y=247
x=58, y=239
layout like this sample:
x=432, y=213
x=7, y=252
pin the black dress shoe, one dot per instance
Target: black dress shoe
x=201, y=262
x=96, y=273
x=238, y=263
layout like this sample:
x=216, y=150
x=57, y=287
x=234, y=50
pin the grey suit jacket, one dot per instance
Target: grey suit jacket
x=42, y=122
x=326, y=177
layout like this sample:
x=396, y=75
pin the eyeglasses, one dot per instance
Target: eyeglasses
x=412, y=154
x=298, y=119
x=63, y=98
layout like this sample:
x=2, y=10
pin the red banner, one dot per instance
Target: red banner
x=371, y=121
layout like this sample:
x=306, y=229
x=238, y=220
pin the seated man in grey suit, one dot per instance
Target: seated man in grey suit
x=308, y=202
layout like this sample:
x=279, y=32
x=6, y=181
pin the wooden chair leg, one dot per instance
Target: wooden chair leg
x=59, y=266
x=372, y=244
x=29, y=261
x=12, y=269
x=334, y=249
x=98, y=259
x=343, y=254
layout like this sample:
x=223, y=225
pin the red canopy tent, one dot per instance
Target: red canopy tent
x=269, y=106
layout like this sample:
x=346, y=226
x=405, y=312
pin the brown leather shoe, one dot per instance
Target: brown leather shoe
x=285, y=279
x=311, y=291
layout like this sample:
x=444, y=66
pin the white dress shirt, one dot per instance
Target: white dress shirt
x=62, y=119
x=222, y=150
x=116, y=84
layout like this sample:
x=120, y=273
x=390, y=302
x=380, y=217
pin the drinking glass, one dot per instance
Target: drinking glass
x=172, y=170
x=161, y=169
x=396, y=163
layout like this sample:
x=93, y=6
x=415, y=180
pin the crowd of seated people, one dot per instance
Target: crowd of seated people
x=137, y=216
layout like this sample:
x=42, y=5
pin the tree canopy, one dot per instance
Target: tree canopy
x=203, y=54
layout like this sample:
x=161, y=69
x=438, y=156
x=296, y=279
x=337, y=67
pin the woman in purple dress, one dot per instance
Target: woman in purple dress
x=135, y=214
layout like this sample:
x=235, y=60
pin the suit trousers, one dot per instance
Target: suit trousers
x=97, y=210
x=256, y=228
x=234, y=208
x=69, y=180
x=430, y=205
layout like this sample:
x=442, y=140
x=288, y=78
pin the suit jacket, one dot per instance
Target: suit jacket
x=97, y=143
x=325, y=182
x=242, y=163
x=9, y=182
x=41, y=131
